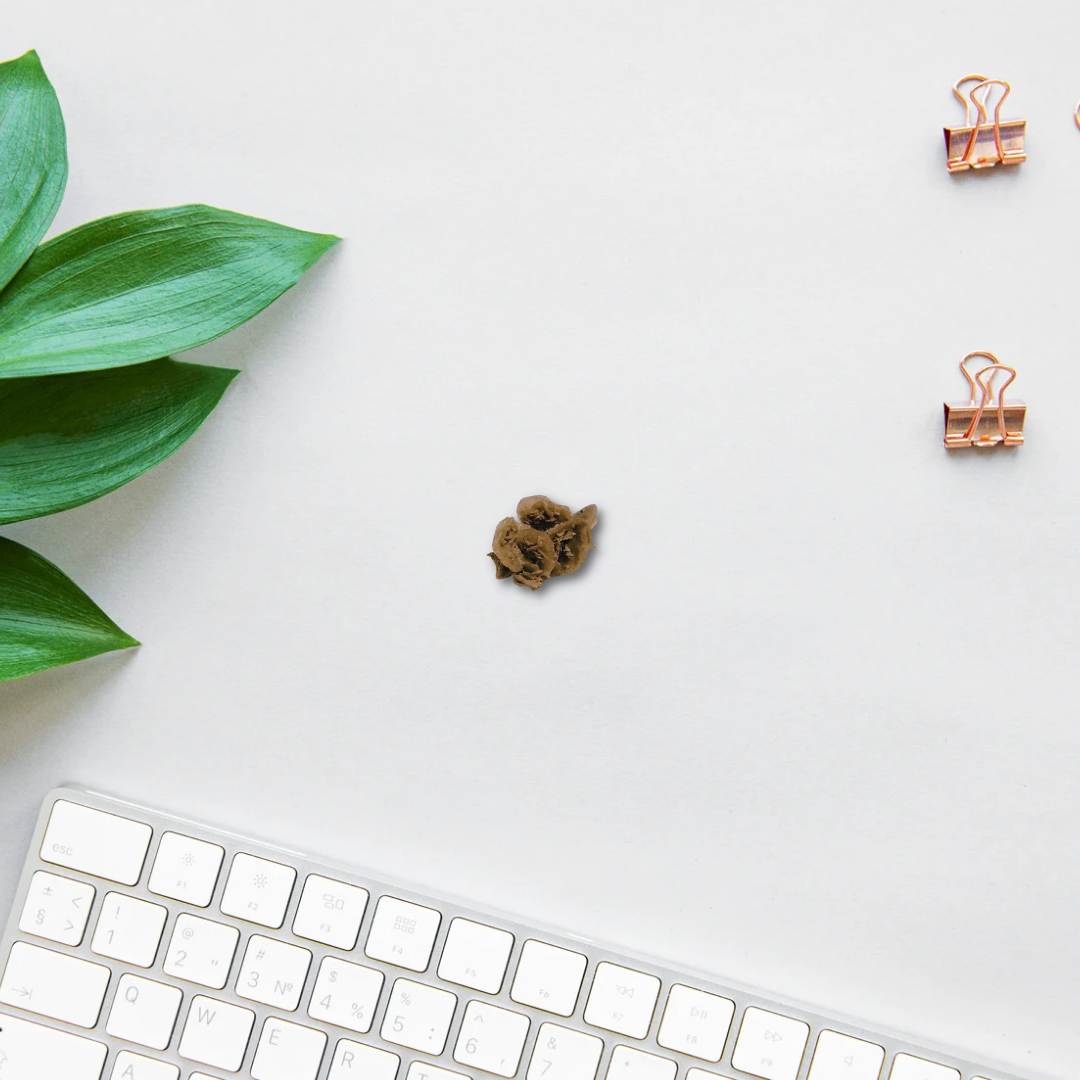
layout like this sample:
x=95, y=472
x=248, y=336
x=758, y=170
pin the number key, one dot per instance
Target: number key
x=563, y=1054
x=201, y=951
x=491, y=1039
x=129, y=930
x=345, y=994
x=418, y=1017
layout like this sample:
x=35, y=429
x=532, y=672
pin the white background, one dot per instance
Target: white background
x=809, y=717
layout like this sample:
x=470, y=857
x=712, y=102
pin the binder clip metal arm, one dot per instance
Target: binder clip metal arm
x=987, y=422
x=982, y=145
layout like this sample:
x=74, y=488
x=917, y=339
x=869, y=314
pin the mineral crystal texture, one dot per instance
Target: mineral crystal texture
x=547, y=542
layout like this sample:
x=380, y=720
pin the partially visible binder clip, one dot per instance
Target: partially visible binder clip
x=988, y=421
x=984, y=144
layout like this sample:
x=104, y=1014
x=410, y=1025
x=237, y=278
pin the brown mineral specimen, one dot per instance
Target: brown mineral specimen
x=550, y=542
x=541, y=513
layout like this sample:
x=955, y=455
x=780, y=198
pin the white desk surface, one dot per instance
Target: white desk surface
x=809, y=718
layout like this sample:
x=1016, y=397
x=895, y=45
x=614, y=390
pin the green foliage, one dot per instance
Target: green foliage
x=67, y=439
x=33, y=160
x=45, y=618
x=137, y=286
x=89, y=398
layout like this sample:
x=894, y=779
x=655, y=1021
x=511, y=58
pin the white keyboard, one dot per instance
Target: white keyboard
x=146, y=947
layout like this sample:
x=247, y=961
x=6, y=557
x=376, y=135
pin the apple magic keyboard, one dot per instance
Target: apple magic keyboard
x=146, y=947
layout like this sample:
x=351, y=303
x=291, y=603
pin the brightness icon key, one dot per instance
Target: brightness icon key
x=258, y=890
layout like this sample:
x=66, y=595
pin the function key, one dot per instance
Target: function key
x=403, y=934
x=475, y=955
x=843, y=1057
x=907, y=1067
x=330, y=912
x=769, y=1045
x=622, y=1000
x=548, y=977
x=258, y=890
x=93, y=842
x=186, y=869
x=57, y=908
x=697, y=1023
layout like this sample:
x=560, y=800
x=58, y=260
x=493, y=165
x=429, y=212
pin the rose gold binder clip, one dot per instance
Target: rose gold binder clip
x=988, y=422
x=985, y=144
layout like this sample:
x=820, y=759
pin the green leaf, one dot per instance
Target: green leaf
x=45, y=619
x=139, y=285
x=67, y=439
x=33, y=160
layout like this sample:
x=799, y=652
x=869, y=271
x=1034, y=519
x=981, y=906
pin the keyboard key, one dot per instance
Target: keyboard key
x=144, y=1012
x=258, y=890
x=696, y=1023
x=129, y=930
x=129, y=1066
x=907, y=1067
x=346, y=994
x=331, y=912
x=421, y=1070
x=57, y=908
x=630, y=1064
x=50, y=984
x=842, y=1057
x=491, y=1039
x=288, y=1052
x=273, y=973
x=403, y=933
x=564, y=1054
x=475, y=955
x=201, y=951
x=354, y=1061
x=186, y=869
x=703, y=1074
x=418, y=1017
x=93, y=842
x=548, y=977
x=24, y=1046
x=622, y=1000
x=769, y=1045
x=216, y=1034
